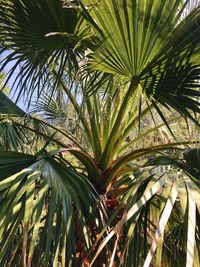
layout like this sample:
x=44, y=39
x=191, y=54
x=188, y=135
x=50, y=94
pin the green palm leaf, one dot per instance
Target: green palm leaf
x=41, y=206
x=38, y=42
x=133, y=32
x=145, y=41
x=169, y=183
x=8, y=107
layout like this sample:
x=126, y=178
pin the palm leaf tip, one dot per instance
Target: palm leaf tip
x=8, y=107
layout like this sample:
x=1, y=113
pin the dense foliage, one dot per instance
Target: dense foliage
x=101, y=165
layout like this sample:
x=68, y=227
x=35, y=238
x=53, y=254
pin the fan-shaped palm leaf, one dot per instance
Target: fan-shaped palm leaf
x=174, y=187
x=41, y=36
x=44, y=206
x=145, y=41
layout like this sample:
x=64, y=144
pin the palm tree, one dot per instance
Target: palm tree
x=93, y=173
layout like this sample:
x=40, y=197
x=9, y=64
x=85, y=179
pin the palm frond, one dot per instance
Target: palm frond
x=41, y=36
x=157, y=192
x=132, y=31
x=46, y=207
x=147, y=42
